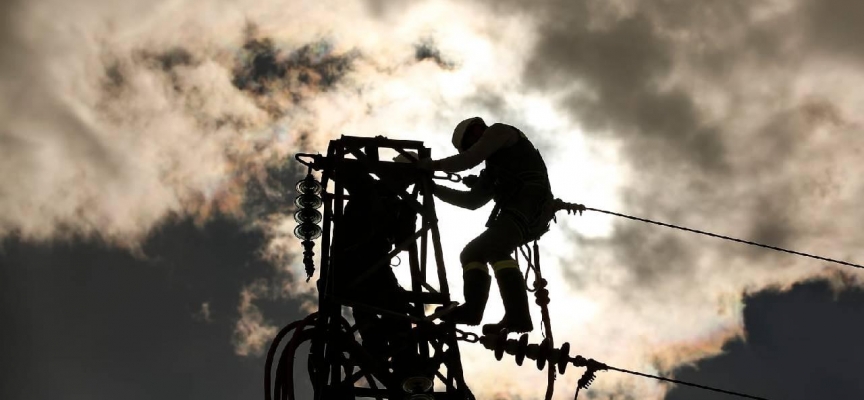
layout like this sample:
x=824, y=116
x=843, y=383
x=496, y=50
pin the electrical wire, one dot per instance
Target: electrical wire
x=696, y=385
x=552, y=358
x=714, y=235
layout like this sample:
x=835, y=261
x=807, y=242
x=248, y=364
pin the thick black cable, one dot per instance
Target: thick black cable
x=696, y=385
x=714, y=235
x=271, y=353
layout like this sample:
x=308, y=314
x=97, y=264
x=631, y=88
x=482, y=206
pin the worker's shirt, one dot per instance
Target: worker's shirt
x=494, y=138
x=515, y=177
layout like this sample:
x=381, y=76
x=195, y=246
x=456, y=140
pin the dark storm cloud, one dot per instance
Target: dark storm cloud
x=491, y=100
x=114, y=77
x=620, y=69
x=263, y=68
x=654, y=255
x=653, y=258
x=167, y=61
x=85, y=320
x=382, y=8
x=835, y=26
x=803, y=344
x=172, y=58
x=426, y=49
x=774, y=226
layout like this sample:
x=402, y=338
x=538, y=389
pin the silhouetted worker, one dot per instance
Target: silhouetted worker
x=515, y=178
x=374, y=218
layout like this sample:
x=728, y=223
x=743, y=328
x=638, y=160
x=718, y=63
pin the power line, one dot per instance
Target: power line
x=550, y=357
x=714, y=235
x=696, y=385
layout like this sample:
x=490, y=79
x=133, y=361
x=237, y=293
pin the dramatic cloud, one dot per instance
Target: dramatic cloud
x=738, y=117
x=792, y=338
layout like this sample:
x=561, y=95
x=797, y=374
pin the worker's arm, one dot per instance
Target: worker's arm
x=477, y=197
x=495, y=137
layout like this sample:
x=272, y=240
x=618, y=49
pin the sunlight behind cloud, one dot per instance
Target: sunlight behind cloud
x=119, y=116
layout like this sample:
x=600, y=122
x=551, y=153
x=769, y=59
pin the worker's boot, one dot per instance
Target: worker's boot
x=476, y=283
x=515, y=297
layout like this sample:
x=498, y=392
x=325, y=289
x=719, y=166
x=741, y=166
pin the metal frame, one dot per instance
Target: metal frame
x=337, y=362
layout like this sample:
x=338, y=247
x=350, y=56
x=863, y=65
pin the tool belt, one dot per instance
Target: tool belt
x=528, y=202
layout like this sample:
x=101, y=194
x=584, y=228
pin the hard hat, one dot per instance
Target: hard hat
x=459, y=132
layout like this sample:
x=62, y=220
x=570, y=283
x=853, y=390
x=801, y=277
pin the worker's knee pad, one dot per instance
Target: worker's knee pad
x=475, y=265
x=504, y=264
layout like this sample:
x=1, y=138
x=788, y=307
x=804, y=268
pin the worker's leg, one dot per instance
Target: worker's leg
x=517, y=317
x=492, y=246
x=475, y=286
x=507, y=236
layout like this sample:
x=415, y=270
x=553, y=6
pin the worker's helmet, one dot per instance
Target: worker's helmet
x=462, y=128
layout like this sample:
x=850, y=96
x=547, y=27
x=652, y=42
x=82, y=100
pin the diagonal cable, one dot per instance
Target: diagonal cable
x=714, y=235
x=696, y=385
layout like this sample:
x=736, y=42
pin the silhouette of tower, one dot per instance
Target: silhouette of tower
x=376, y=212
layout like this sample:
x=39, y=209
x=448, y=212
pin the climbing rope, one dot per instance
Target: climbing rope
x=541, y=295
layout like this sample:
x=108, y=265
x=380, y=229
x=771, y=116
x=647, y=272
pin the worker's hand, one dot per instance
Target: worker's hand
x=470, y=180
x=425, y=164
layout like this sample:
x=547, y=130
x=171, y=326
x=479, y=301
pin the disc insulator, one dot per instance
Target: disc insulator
x=308, y=200
x=308, y=185
x=307, y=215
x=307, y=231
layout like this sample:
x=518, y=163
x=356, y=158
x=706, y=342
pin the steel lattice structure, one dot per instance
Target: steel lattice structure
x=339, y=366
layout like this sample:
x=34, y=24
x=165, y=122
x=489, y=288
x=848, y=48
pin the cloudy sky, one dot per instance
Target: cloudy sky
x=145, y=181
